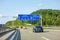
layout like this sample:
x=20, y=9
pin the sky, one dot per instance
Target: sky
x=10, y=8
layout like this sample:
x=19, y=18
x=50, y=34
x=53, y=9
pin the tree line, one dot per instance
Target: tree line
x=50, y=17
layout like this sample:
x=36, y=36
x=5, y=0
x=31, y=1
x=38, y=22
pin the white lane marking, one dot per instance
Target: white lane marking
x=54, y=30
x=45, y=38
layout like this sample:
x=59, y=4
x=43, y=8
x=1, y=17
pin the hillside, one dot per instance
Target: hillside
x=49, y=18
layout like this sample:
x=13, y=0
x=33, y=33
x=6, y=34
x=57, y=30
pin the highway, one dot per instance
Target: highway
x=27, y=34
x=48, y=34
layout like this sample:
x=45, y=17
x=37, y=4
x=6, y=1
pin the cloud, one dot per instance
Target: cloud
x=0, y=15
x=25, y=10
x=40, y=4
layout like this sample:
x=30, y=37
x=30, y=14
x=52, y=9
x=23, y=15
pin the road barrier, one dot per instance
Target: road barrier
x=14, y=36
x=5, y=32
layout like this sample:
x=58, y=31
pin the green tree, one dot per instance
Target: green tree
x=57, y=22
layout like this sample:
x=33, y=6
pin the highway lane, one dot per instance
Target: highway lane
x=48, y=34
x=24, y=34
x=6, y=35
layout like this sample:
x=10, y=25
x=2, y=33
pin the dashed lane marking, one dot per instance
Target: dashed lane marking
x=45, y=38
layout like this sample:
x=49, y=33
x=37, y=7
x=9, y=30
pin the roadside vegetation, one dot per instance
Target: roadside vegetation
x=50, y=17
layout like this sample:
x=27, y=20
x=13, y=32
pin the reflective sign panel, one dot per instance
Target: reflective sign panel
x=29, y=17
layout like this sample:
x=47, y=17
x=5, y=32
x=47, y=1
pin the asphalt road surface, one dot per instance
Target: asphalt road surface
x=48, y=34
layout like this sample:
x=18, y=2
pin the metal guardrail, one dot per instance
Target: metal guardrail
x=15, y=36
x=5, y=32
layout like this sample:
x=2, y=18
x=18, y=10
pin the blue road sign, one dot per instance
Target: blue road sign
x=29, y=17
